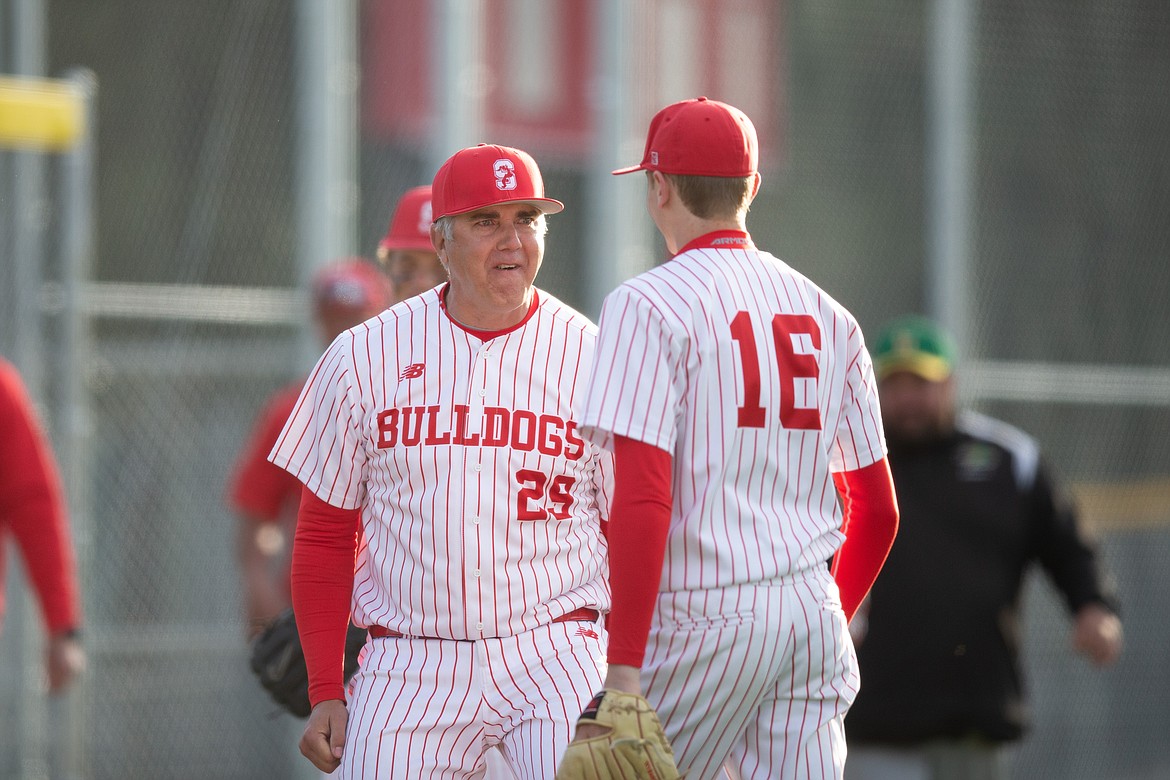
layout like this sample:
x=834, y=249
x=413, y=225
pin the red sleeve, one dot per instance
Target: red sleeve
x=638, y=525
x=258, y=488
x=322, y=584
x=870, y=524
x=33, y=505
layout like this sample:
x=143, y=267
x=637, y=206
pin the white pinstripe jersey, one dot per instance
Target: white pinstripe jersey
x=759, y=385
x=480, y=501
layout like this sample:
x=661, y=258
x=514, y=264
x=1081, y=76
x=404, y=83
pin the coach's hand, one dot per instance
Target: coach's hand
x=324, y=737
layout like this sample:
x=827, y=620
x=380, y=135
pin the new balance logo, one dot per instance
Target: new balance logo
x=589, y=632
x=413, y=371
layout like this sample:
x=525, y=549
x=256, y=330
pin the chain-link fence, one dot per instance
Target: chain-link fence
x=196, y=316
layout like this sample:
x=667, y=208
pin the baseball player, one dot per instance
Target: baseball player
x=264, y=497
x=752, y=395
x=33, y=512
x=448, y=424
x=406, y=251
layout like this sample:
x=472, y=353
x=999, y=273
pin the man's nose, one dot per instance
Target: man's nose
x=509, y=236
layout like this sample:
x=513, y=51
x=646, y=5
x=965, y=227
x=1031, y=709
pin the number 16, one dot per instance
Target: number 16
x=793, y=366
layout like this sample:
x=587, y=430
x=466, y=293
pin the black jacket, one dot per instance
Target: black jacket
x=940, y=658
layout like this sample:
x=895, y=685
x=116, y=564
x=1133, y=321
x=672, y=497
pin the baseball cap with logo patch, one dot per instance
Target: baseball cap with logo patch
x=486, y=175
x=700, y=137
x=410, y=226
x=914, y=344
x=351, y=285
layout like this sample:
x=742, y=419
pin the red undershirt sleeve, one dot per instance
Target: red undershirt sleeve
x=322, y=585
x=870, y=524
x=32, y=504
x=638, y=525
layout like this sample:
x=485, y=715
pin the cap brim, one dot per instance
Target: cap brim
x=930, y=367
x=546, y=206
x=631, y=169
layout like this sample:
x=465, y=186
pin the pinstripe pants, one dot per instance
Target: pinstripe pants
x=754, y=678
x=431, y=708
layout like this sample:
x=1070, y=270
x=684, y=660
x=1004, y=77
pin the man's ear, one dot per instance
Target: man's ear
x=439, y=242
x=660, y=188
x=756, y=184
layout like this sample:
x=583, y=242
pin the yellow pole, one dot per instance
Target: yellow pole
x=40, y=114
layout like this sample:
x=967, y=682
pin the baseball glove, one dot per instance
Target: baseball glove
x=279, y=662
x=634, y=749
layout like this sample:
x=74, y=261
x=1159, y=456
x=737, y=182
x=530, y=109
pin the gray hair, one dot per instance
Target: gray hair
x=446, y=227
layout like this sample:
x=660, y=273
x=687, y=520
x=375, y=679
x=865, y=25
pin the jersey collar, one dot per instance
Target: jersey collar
x=487, y=335
x=720, y=239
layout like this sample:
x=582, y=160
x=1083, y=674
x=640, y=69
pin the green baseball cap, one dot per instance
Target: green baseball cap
x=913, y=344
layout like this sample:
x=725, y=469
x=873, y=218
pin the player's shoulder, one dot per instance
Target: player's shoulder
x=424, y=304
x=702, y=278
x=8, y=373
x=403, y=317
x=558, y=311
x=1022, y=448
x=802, y=280
x=980, y=426
x=12, y=389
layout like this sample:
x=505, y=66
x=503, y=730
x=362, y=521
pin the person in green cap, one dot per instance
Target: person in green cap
x=937, y=641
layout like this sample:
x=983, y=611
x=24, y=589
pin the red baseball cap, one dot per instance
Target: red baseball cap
x=410, y=226
x=700, y=137
x=484, y=175
x=353, y=284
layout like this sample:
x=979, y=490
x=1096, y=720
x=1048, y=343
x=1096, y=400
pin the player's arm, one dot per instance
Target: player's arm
x=322, y=583
x=263, y=596
x=259, y=494
x=639, y=522
x=32, y=501
x=1070, y=557
x=870, y=524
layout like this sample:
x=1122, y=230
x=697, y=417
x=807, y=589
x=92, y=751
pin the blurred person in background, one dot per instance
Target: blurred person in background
x=33, y=513
x=406, y=251
x=938, y=640
x=263, y=497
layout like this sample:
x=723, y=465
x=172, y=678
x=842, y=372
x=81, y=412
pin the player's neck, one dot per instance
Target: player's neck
x=687, y=227
x=484, y=320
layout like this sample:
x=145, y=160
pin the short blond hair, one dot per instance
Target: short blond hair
x=713, y=197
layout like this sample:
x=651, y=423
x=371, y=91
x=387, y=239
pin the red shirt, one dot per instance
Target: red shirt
x=32, y=507
x=258, y=490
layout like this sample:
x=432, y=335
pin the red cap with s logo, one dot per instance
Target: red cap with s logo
x=486, y=175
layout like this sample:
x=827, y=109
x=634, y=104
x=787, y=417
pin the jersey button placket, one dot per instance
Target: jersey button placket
x=475, y=543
